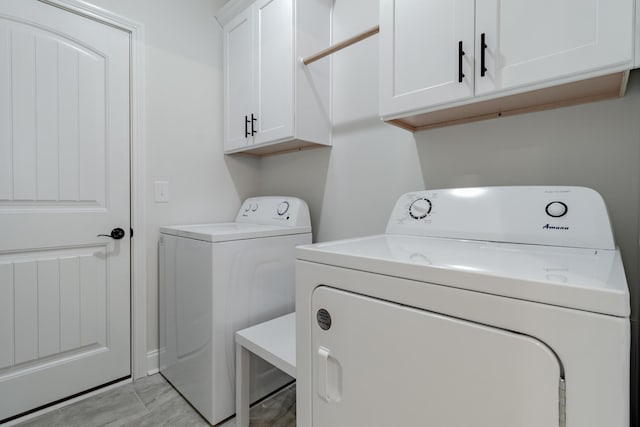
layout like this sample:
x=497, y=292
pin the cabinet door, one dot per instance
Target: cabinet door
x=273, y=82
x=237, y=80
x=419, y=53
x=382, y=364
x=530, y=42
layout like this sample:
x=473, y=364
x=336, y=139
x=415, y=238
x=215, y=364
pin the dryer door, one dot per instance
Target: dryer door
x=382, y=364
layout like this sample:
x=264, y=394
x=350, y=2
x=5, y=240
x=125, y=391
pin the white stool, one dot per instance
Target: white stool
x=273, y=341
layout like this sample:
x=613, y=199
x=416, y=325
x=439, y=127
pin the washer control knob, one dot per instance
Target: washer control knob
x=283, y=208
x=420, y=208
x=254, y=207
x=556, y=209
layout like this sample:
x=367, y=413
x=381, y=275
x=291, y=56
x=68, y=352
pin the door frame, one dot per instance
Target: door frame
x=137, y=171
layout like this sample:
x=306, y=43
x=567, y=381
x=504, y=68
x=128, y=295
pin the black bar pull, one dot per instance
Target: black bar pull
x=460, y=55
x=246, y=126
x=253, y=120
x=483, y=48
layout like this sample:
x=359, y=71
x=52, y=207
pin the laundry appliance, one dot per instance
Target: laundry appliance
x=216, y=279
x=484, y=307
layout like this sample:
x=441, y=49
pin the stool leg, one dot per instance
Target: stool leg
x=243, y=357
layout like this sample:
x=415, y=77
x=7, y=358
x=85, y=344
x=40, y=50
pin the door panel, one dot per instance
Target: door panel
x=419, y=53
x=382, y=364
x=64, y=179
x=530, y=42
x=51, y=313
x=274, y=50
x=238, y=37
x=55, y=112
x=6, y=316
x=6, y=173
x=23, y=125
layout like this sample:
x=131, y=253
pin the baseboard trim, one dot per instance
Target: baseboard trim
x=153, y=364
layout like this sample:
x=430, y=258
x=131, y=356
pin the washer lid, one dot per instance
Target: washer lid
x=585, y=279
x=226, y=231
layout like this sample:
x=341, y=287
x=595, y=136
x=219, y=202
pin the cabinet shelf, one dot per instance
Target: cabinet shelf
x=579, y=92
x=277, y=147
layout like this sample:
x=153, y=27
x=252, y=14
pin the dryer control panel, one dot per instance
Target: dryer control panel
x=553, y=216
x=284, y=211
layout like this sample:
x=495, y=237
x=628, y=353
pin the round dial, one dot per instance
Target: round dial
x=283, y=208
x=254, y=207
x=556, y=209
x=420, y=208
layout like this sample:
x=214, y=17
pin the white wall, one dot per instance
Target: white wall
x=184, y=123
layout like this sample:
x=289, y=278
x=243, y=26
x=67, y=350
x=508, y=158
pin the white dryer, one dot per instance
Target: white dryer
x=216, y=279
x=483, y=307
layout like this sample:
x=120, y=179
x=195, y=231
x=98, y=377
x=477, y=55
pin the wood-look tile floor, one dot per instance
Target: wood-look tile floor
x=152, y=401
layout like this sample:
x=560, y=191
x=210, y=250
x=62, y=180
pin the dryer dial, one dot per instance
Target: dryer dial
x=420, y=208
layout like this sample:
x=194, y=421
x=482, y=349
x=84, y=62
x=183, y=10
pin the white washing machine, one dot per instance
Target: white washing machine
x=216, y=279
x=483, y=307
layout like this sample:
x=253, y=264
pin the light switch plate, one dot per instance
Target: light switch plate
x=162, y=191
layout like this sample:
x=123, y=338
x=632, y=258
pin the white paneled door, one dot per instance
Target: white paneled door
x=64, y=179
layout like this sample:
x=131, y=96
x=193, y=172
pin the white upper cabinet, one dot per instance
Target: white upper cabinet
x=427, y=53
x=528, y=42
x=273, y=102
x=274, y=78
x=462, y=60
x=238, y=39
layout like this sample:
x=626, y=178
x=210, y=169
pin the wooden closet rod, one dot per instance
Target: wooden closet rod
x=339, y=46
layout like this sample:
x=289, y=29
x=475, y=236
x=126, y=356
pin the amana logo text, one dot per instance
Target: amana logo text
x=553, y=227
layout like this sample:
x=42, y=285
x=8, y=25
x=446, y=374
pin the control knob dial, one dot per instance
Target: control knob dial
x=420, y=208
x=283, y=208
x=556, y=209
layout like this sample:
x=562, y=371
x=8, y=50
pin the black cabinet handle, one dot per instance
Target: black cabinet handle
x=246, y=126
x=483, y=48
x=116, y=233
x=253, y=120
x=460, y=55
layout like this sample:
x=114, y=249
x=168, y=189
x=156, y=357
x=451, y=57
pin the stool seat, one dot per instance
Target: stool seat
x=273, y=341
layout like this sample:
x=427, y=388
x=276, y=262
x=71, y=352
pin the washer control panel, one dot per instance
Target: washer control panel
x=554, y=216
x=287, y=211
